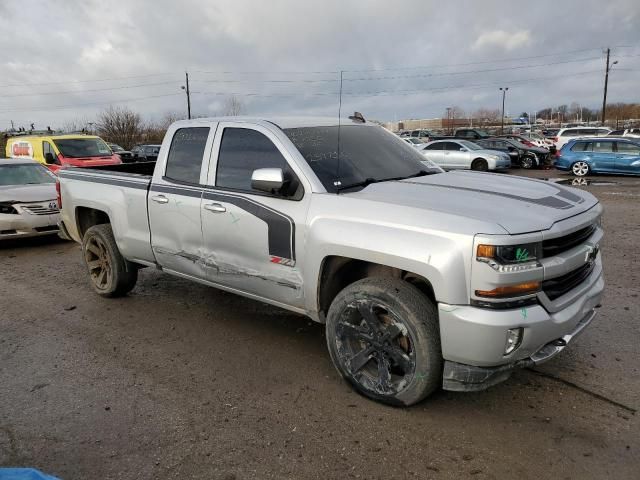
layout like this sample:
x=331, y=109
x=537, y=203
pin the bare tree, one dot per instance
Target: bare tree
x=120, y=125
x=79, y=124
x=487, y=116
x=233, y=107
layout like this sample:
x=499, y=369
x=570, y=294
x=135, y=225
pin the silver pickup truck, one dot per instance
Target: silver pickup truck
x=424, y=279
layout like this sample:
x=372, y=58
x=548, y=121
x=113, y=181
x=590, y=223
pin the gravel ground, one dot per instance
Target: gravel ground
x=179, y=380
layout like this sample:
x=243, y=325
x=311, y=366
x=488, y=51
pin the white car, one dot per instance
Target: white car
x=463, y=154
x=28, y=206
x=566, y=134
x=414, y=142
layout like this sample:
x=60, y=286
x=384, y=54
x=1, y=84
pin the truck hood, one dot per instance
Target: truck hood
x=27, y=193
x=517, y=204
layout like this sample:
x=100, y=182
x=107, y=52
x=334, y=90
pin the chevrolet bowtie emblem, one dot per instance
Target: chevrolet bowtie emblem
x=591, y=253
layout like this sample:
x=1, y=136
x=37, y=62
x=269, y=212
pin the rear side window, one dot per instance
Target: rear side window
x=582, y=147
x=241, y=152
x=186, y=153
x=603, y=147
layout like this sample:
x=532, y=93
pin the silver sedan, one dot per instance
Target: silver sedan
x=28, y=206
x=463, y=154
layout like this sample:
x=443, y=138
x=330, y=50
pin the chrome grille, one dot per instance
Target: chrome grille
x=49, y=208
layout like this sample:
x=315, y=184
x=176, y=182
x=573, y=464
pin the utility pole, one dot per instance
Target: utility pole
x=606, y=82
x=504, y=93
x=185, y=87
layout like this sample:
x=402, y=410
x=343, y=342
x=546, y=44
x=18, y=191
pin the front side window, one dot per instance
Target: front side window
x=452, y=146
x=469, y=145
x=434, y=146
x=628, y=148
x=242, y=151
x=83, y=147
x=186, y=154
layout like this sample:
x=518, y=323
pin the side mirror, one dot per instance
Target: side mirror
x=270, y=180
x=49, y=158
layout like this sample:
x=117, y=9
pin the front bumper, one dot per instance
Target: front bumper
x=21, y=226
x=474, y=339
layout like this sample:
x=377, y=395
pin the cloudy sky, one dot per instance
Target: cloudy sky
x=64, y=60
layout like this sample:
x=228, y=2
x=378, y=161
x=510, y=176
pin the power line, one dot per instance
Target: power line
x=64, y=107
x=86, y=81
x=423, y=75
x=393, y=92
x=89, y=90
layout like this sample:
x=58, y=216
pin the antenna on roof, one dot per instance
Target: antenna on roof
x=337, y=182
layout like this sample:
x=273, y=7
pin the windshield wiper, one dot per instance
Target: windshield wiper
x=369, y=181
x=363, y=184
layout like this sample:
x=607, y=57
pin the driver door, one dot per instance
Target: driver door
x=252, y=239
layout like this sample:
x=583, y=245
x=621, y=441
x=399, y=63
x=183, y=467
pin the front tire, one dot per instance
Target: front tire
x=580, y=169
x=480, y=164
x=528, y=162
x=383, y=337
x=111, y=275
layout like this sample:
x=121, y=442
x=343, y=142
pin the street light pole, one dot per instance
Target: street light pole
x=504, y=93
x=606, y=82
x=186, y=90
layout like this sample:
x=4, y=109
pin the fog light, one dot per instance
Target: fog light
x=514, y=339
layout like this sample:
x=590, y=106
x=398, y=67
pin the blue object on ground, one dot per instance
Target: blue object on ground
x=24, y=474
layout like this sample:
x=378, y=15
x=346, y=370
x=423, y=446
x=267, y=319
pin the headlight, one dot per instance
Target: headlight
x=510, y=258
x=7, y=209
x=493, y=157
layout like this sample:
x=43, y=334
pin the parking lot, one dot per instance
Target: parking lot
x=179, y=380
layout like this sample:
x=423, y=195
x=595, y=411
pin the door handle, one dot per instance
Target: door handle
x=160, y=199
x=215, y=208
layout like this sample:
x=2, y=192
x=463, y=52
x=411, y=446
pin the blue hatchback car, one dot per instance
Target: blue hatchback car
x=583, y=156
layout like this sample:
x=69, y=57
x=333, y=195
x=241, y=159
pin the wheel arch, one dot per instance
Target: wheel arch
x=87, y=217
x=337, y=272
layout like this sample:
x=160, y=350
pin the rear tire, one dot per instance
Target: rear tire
x=110, y=274
x=480, y=165
x=383, y=338
x=580, y=169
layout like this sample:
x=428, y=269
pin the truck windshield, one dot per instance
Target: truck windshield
x=366, y=154
x=22, y=174
x=83, y=147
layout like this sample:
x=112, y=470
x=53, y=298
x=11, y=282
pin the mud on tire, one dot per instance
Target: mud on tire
x=383, y=337
x=110, y=274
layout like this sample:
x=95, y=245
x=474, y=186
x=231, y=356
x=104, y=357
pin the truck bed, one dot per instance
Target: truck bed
x=120, y=192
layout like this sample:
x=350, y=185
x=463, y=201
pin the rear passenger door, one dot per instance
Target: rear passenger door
x=434, y=152
x=627, y=158
x=603, y=157
x=252, y=239
x=174, y=201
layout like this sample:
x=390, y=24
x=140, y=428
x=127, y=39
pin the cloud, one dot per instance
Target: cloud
x=505, y=40
x=283, y=57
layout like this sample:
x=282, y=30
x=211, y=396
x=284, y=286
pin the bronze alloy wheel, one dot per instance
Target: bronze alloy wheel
x=99, y=263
